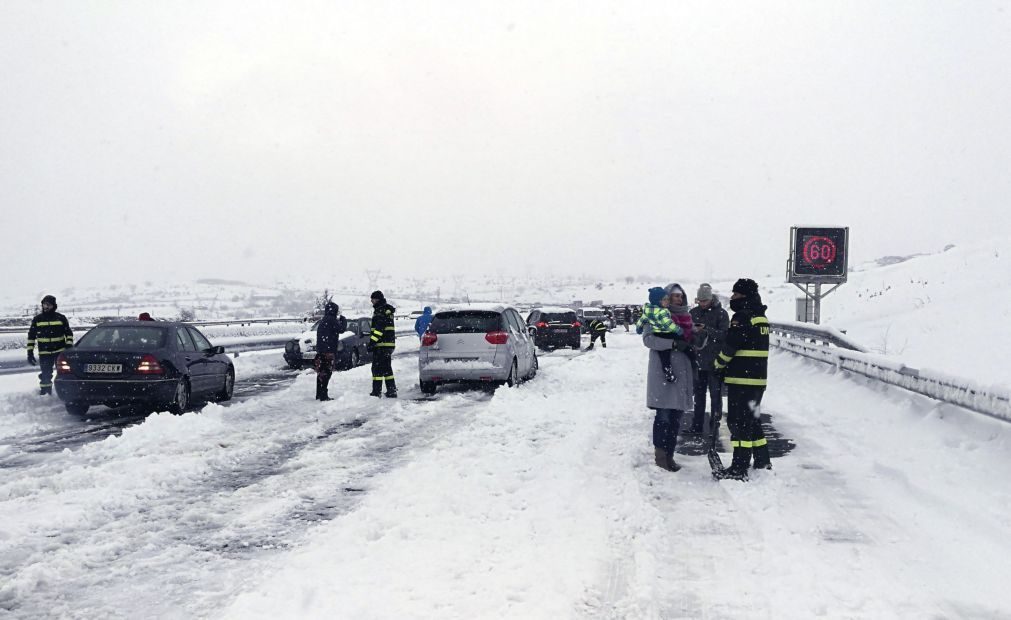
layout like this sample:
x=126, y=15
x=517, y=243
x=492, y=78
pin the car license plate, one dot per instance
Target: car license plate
x=104, y=368
x=561, y=331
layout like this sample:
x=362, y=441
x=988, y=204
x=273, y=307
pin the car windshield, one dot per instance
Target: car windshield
x=466, y=322
x=593, y=313
x=559, y=317
x=124, y=338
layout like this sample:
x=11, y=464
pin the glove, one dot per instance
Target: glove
x=31, y=358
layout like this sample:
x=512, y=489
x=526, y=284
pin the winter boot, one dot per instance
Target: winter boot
x=738, y=469
x=663, y=460
x=45, y=391
x=391, y=388
x=762, y=460
x=377, y=388
x=671, y=463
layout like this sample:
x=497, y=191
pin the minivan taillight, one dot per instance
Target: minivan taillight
x=62, y=365
x=498, y=337
x=149, y=366
x=428, y=339
x=542, y=324
x=577, y=324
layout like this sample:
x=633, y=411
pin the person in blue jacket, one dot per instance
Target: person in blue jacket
x=422, y=322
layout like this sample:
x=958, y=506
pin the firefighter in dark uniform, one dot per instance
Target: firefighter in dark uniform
x=328, y=334
x=597, y=329
x=743, y=362
x=52, y=332
x=382, y=343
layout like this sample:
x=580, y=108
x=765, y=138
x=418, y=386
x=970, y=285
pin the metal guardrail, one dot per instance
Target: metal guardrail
x=225, y=322
x=830, y=346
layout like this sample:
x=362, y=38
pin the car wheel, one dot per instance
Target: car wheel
x=181, y=401
x=227, y=388
x=428, y=387
x=356, y=358
x=534, y=367
x=76, y=408
x=511, y=380
x=576, y=345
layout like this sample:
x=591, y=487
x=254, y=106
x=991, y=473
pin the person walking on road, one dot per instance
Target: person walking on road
x=52, y=332
x=744, y=360
x=597, y=329
x=668, y=399
x=422, y=322
x=710, y=323
x=328, y=334
x=382, y=343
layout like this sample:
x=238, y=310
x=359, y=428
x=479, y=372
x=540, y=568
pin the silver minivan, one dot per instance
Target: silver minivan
x=476, y=342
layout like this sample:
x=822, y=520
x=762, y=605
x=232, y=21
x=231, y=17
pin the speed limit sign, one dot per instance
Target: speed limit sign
x=818, y=254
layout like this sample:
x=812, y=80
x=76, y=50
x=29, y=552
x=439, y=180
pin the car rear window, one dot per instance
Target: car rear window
x=559, y=317
x=466, y=322
x=124, y=338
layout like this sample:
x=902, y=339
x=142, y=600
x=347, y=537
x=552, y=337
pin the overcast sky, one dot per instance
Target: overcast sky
x=178, y=140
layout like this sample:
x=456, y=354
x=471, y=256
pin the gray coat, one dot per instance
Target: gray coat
x=659, y=393
x=710, y=339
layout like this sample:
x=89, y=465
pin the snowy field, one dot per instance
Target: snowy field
x=535, y=502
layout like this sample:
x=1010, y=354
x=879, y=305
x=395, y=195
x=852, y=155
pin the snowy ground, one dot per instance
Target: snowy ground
x=537, y=502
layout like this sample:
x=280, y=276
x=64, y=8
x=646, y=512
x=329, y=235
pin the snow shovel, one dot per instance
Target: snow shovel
x=714, y=458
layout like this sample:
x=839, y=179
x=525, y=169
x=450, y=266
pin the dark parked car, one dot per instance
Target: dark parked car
x=351, y=349
x=160, y=364
x=554, y=327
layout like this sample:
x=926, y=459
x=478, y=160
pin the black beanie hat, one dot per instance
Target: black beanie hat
x=746, y=287
x=49, y=299
x=377, y=295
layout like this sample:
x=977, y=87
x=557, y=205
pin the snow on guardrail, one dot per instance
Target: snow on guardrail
x=830, y=346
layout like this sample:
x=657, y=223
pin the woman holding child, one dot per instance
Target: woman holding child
x=669, y=394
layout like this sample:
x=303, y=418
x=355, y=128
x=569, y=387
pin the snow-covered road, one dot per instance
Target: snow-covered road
x=540, y=501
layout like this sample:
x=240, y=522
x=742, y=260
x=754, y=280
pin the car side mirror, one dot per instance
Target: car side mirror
x=214, y=351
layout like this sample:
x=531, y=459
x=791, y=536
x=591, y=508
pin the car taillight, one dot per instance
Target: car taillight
x=62, y=365
x=428, y=339
x=498, y=337
x=542, y=324
x=149, y=366
x=577, y=324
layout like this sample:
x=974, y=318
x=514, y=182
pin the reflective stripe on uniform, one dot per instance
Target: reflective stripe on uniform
x=386, y=344
x=752, y=353
x=758, y=443
x=374, y=378
x=725, y=358
x=45, y=385
x=759, y=320
x=60, y=339
x=48, y=323
x=743, y=381
x=41, y=352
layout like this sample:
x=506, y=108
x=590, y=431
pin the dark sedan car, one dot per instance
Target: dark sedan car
x=554, y=327
x=161, y=364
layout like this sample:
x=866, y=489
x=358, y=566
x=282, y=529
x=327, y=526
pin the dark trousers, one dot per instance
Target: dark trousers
x=46, y=363
x=709, y=382
x=324, y=370
x=595, y=335
x=666, y=424
x=382, y=370
x=745, y=427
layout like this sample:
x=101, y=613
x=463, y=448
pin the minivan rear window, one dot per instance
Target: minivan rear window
x=466, y=322
x=123, y=338
x=559, y=317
